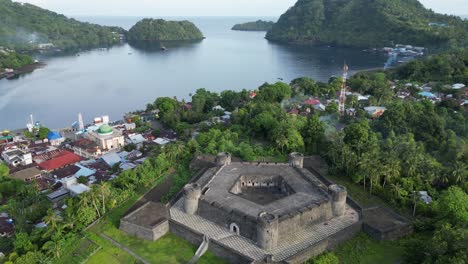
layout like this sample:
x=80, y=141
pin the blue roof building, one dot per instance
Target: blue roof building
x=53, y=135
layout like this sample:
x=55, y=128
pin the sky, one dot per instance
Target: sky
x=257, y=8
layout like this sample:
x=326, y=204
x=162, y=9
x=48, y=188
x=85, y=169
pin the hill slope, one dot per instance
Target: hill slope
x=258, y=25
x=24, y=26
x=367, y=23
x=162, y=30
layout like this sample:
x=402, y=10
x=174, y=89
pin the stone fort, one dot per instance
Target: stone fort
x=254, y=212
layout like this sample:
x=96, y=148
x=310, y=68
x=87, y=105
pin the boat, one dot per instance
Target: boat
x=163, y=48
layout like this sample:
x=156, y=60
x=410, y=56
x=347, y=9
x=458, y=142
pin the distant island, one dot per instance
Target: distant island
x=368, y=23
x=155, y=30
x=27, y=27
x=258, y=25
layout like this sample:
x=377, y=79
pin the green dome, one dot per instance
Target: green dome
x=105, y=129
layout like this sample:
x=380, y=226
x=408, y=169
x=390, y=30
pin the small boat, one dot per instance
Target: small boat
x=163, y=48
x=130, y=53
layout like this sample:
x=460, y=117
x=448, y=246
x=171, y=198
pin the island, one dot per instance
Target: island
x=366, y=23
x=156, y=30
x=258, y=25
x=26, y=27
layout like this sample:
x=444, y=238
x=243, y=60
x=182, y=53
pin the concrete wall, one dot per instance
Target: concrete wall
x=151, y=234
x=218, y=249
x=393, y=234
x=247, y=226
x=292, y=224
x=326, y=244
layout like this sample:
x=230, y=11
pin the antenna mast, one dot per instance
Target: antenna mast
x=343, y=91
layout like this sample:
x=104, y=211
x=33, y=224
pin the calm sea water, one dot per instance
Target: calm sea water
x=124, y=78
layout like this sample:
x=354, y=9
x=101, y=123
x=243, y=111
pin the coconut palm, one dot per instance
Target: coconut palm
x=459, y=172
x=391, y=170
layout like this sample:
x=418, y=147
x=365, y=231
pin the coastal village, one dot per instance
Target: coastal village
x=67, y=161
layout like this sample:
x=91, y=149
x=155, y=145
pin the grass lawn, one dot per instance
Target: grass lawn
x=170, y=249
x=80, y=250
x=108, y=254
x=364, y=250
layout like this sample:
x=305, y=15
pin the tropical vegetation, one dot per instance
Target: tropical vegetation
x=368, y=23
x=155, y=30
x=258, y=25
x=25, y=26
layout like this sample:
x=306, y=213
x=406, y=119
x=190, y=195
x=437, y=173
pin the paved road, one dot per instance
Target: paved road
x=126, y=249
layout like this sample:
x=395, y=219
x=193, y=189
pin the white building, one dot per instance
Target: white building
x=106, y=138
x=16, y=157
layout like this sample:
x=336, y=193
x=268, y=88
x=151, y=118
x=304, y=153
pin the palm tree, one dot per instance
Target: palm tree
x=104, y=191
x=53, y=248
x=94, y=198
x=391, y=170
x=52, y=220
x=459, y=172
x=397, y=191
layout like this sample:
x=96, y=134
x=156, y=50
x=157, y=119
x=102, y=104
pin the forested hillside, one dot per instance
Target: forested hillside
x=162, y=30
x=258, y=25
x=368, y=23
x=25, y=26
x=450, y=67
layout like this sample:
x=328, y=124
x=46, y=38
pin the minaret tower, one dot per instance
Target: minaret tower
x=343, y=91
x=80, y=122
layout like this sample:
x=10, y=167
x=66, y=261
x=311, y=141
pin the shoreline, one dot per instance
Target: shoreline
x=22, y=70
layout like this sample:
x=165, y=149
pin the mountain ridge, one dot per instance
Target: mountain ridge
x=367, y=23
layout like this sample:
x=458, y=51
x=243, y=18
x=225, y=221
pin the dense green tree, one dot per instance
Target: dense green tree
x=43, y=132
x=4, y=170
x=166, y=105
x=274, y=92
x=155, y=30
x=24, y=26
x=258, y=25
x=453, y=205
x=385, y=23
x=314, y=135
x=203, y=101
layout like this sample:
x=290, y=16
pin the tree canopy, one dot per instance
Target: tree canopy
x=368, y=23
x=24, y=26
x=155, y=30
x=258, y=25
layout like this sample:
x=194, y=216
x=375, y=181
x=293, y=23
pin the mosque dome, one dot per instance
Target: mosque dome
x=105, y=130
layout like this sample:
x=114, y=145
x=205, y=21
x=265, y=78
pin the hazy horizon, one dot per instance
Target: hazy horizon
x=188, y=8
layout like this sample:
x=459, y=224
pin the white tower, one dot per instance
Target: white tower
x=80, y=122
x=343, y=91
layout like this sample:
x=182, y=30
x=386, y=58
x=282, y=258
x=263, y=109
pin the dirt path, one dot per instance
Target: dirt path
x=126, y=249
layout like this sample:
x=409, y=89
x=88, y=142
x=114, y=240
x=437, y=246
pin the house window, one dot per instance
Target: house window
x=234, y=228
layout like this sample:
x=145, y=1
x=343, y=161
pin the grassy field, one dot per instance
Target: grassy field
x=108, y=254
x=364, y=250
x=169, y=249
x=80, y=250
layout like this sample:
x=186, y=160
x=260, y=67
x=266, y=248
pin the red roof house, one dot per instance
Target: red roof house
x=311, y=101
x=66, y=158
